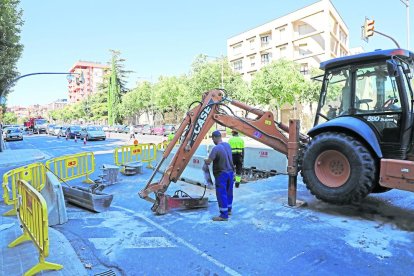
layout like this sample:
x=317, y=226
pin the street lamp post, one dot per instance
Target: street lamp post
x=80, y=79
x=407, y=8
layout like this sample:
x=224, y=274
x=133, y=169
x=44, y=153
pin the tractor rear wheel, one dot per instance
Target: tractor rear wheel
x=338, y=169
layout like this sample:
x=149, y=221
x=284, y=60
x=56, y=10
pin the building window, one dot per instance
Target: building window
x=251, y=42
x=342, y=36
x=237, y=49
x=282, y=34
x=252, y=61
x=265, y=40
x=238, y=65
x=304, y=69
x=266, y=58
x=282, y=52
x=303, y=49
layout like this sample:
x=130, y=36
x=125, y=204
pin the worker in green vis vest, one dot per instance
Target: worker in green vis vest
x=237, y=150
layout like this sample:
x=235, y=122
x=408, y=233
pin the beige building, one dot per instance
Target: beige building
x=93, y=73
x=58, y=104
x=307, y=36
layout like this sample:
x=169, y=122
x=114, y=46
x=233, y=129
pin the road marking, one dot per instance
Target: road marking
x=132, y=243
x=183, y=242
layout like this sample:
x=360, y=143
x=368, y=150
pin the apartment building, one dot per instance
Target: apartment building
x=58, y=104
x=93, y=73
x=307, y=36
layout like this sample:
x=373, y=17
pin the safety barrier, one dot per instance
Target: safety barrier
x=32, y=212
x=163, y=145
x=149, y=154
x=34, y=173
x=146, y=153
x=73, y=166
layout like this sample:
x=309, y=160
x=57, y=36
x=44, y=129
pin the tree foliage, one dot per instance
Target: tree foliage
x=279, y=83
x=10, y=47
x=9, y=118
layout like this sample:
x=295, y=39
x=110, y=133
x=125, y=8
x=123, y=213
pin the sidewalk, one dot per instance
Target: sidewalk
x=19, y=259
x=9, y=158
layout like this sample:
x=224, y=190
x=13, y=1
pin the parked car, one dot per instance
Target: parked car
x=60, y=131
x=169, y=128
x=126, y=129
x=105, y=128
x=56, y=130
x=138, y=129
x=73, y=131
x=119, y=128
x=158, y=130
x=111, y=128
x=164, y=129
x=13, y=134
x=50, y=128
x=92, y=133
x=147, y=129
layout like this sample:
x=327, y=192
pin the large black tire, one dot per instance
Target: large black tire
x=338, y=169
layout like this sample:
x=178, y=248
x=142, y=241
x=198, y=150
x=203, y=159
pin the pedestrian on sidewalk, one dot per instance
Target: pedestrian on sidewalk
x=131, y=132
x=237, y=150
x=222, y=160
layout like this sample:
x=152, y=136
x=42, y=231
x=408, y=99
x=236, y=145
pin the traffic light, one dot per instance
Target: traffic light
x=369, y=27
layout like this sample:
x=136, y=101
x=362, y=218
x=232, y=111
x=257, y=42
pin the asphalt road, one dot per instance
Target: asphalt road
x=263, y=236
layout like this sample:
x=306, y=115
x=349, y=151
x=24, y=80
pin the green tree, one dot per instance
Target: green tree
x=130, y=104
x=98, y=106
x=116, y=87
x=278, y=83
x=206, y=75
x=9, y=118
x=10, y=48
x=170, y=96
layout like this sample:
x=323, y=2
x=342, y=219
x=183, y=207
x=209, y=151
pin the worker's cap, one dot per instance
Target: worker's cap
x=216, y=133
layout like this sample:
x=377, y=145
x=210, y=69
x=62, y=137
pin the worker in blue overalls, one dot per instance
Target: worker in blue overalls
x=222, y=160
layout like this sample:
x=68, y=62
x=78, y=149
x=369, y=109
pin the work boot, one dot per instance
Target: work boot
x=220, y=219
x=237, y=184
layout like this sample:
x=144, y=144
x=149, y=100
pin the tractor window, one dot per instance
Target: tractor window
x=376, y=91
x=337, y=89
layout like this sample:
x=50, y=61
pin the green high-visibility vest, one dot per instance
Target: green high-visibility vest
x=236, y=144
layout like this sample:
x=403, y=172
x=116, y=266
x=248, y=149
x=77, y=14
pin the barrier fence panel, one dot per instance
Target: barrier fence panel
x=34, y=173
x=127, y=154
x=73, y=166
x=146, y=153
x=32, y=212
x=163, y=145
x=149, y=154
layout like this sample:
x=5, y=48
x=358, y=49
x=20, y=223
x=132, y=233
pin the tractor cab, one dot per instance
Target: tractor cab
x=369, y=95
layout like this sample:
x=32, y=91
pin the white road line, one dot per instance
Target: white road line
x=227, y=269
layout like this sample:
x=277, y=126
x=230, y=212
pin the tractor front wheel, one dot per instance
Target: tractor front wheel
x=338, y=169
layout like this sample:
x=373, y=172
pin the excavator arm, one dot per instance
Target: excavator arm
x=195, y=126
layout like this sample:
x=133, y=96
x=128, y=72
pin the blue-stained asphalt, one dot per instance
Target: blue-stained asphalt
x=263, y=236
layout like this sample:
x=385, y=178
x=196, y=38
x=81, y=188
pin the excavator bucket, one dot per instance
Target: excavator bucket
x=165, y=203
x=89, y=199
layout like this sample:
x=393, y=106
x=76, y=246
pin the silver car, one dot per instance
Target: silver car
x=13, y=134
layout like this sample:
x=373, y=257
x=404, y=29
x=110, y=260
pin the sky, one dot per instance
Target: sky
x=162, y=37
